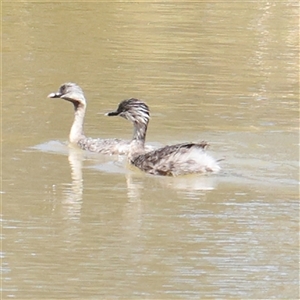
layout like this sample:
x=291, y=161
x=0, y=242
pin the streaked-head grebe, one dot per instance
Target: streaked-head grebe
x=74, y=94
x=173, y=160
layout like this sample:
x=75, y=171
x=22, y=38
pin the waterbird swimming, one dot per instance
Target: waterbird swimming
x=172, y=160
x=73, y=93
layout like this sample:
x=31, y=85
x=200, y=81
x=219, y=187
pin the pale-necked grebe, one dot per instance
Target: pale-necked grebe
x=173, y=160
x=73, y=93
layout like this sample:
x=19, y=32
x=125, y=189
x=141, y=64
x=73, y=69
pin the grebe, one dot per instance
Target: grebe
x=73, y=93
x=173, y=160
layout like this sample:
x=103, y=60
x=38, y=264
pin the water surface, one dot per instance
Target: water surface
x=85, y=225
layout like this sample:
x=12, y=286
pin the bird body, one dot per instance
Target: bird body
x=174, y=160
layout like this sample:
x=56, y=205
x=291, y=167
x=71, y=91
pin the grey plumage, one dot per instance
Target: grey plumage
x=173, y=160
x=74, y=94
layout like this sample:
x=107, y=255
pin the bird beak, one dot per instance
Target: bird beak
x=111, y=114
x=54, y=95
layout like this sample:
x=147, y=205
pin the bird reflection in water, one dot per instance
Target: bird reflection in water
x=190, y=184
x=72, y=203
x=137, y=184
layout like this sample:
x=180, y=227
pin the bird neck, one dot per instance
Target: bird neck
x=139, y=132
x=137, y=145
x=76, y=132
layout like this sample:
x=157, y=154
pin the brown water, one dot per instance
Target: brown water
x=80, y=225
